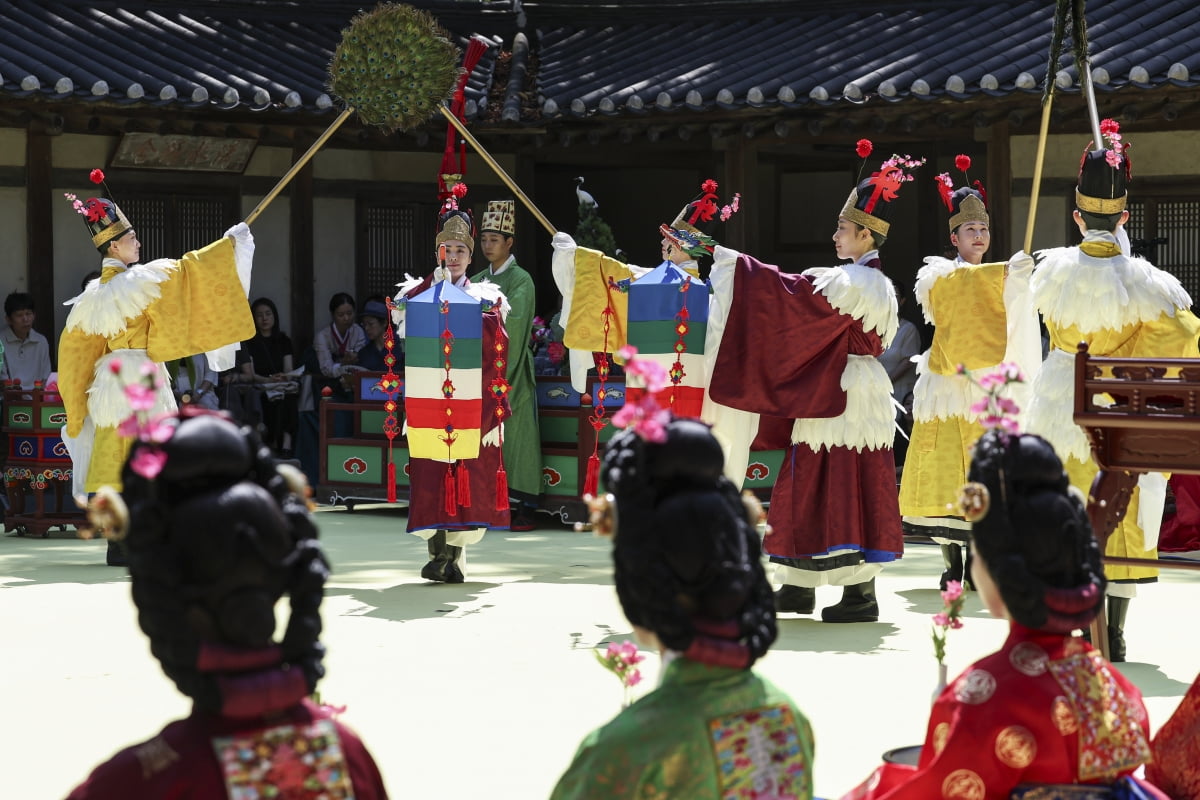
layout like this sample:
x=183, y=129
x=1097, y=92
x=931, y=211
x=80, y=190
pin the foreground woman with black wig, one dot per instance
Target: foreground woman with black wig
x=217, y=533
x=689, y=576
x=1046, y=708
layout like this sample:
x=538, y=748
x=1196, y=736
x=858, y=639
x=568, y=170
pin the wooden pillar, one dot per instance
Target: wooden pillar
x=301, y=277
x=999, y=189
x=741, y=175
x=39, y=261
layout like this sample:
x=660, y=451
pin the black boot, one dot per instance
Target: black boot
x=1118, y=607
x=966, y=578
x=435, y=570
x=116, y=555
x=796, y=599
x=453, y=573
x=857, y=604
x=953, y=561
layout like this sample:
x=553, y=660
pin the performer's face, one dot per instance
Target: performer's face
x=972, y=240
x=126, y=248
x=458, y=256
x=851, y=240
x=496, y=247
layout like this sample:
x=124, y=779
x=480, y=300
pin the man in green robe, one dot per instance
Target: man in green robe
x=522, y=441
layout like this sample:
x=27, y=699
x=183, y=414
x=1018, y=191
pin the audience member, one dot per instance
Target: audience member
x=689, y=575
x=26, y=352
x=194, y=381
x=1046, y=708
x=337, y=345
x=216, y=536
x=375, y=321
x=269, y=361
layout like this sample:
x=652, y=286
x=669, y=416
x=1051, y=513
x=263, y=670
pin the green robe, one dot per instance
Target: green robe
x=705, y=732
x=522, y=439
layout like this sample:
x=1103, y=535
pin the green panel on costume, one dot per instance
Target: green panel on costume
x=763, y=468
x=355, y=464
x=659, y=336
x=560, y=475
x=20, y=417
x=423, y=351
x=559, y=428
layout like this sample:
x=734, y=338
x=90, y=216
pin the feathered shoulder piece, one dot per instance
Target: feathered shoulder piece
x=863, y=293
x=104, y=307
x=1075, y=289
x=491, y=294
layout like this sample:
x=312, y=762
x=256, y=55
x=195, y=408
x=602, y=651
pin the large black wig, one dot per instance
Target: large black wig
x=686, y=553
x=1034, y=533
x=214, y=540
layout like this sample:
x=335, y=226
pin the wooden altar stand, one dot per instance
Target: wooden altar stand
x=1140, y=415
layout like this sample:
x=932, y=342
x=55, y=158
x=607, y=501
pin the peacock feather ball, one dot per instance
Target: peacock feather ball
x=393, y=66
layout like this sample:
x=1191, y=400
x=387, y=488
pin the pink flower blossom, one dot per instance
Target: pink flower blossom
x=148, y=462
x=940, y=619
x=954, y=590
x=633, y=678
x=627, y=352
x=1112, y=158
x=114, y=366
x=140, y=397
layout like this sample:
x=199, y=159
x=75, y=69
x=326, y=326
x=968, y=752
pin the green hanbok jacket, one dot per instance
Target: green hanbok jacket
x=706, y=733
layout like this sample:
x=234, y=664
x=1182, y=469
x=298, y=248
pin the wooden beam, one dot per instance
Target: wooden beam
x=999, y=188
x=741, y=175
x=301, y=278
x=39, y=222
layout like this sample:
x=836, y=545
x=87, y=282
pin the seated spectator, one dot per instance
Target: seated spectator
x=194, y=381
x=216, y=534
x=375, y=322
x=26, y=352
x=689, y=576
x=269, y=353
x=1046, y=708
x=337, y=346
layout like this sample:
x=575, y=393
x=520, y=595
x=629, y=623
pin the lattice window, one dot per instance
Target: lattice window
x=1167, y=231
x=397, y=238
x=169, y=225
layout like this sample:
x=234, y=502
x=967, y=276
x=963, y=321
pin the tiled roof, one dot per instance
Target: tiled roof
x=570, y=59
x=850, y=52
x=194, y=55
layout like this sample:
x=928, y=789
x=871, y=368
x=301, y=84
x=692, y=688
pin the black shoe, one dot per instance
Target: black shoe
x=1118, y=607
x=796, y=599
x=952, y=559
x=857, y=605
x=435, y=570
x=116, y=555
x=453, y=573
x=519, y=522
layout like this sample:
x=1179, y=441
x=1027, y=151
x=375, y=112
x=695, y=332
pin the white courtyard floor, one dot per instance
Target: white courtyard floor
x=483, y=690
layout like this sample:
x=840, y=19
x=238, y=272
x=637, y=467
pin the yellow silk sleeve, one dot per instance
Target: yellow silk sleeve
x=585, y=326
x=78, y=353
x=202, y=307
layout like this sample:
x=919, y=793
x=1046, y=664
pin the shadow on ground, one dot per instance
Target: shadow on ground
x=805, y=634
x=405, y=602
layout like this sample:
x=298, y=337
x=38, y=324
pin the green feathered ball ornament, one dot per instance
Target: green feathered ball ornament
x=394, y=66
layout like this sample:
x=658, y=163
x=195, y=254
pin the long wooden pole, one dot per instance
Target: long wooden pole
x=1038, y=161
x=509, y=182
x=299, y=165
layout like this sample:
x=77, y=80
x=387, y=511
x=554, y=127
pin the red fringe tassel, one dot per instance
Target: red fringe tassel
x=391, y=479
x=592, y=482
x=501, y=489
x=464, y=485
x=448, y=491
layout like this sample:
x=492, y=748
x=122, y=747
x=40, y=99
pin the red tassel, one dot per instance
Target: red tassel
x=391, y=482
x=448, y=491
x=592, y=482
x=464, y=485
x=501, y=489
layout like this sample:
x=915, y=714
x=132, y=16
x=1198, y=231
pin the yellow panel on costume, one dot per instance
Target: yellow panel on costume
x=428, y=441
x=1127, y=540
x=934, y=473
x=201, y=309
x=585, y=327
x=109, y=452
x=964, y=298
x=78, y=353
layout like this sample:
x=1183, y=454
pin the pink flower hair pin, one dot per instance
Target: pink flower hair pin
x=647, y=418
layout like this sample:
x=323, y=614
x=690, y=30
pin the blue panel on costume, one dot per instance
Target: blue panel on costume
x=423, y=315
x=657, y=296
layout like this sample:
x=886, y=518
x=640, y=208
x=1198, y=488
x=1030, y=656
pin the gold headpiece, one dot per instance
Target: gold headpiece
x=971, y=209
x=1100, y=205
x=856, y=215
x=457, y=229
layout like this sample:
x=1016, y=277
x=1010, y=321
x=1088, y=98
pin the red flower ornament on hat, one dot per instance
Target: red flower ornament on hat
x=96, y=176
x=863, y=147
x=962, y=162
